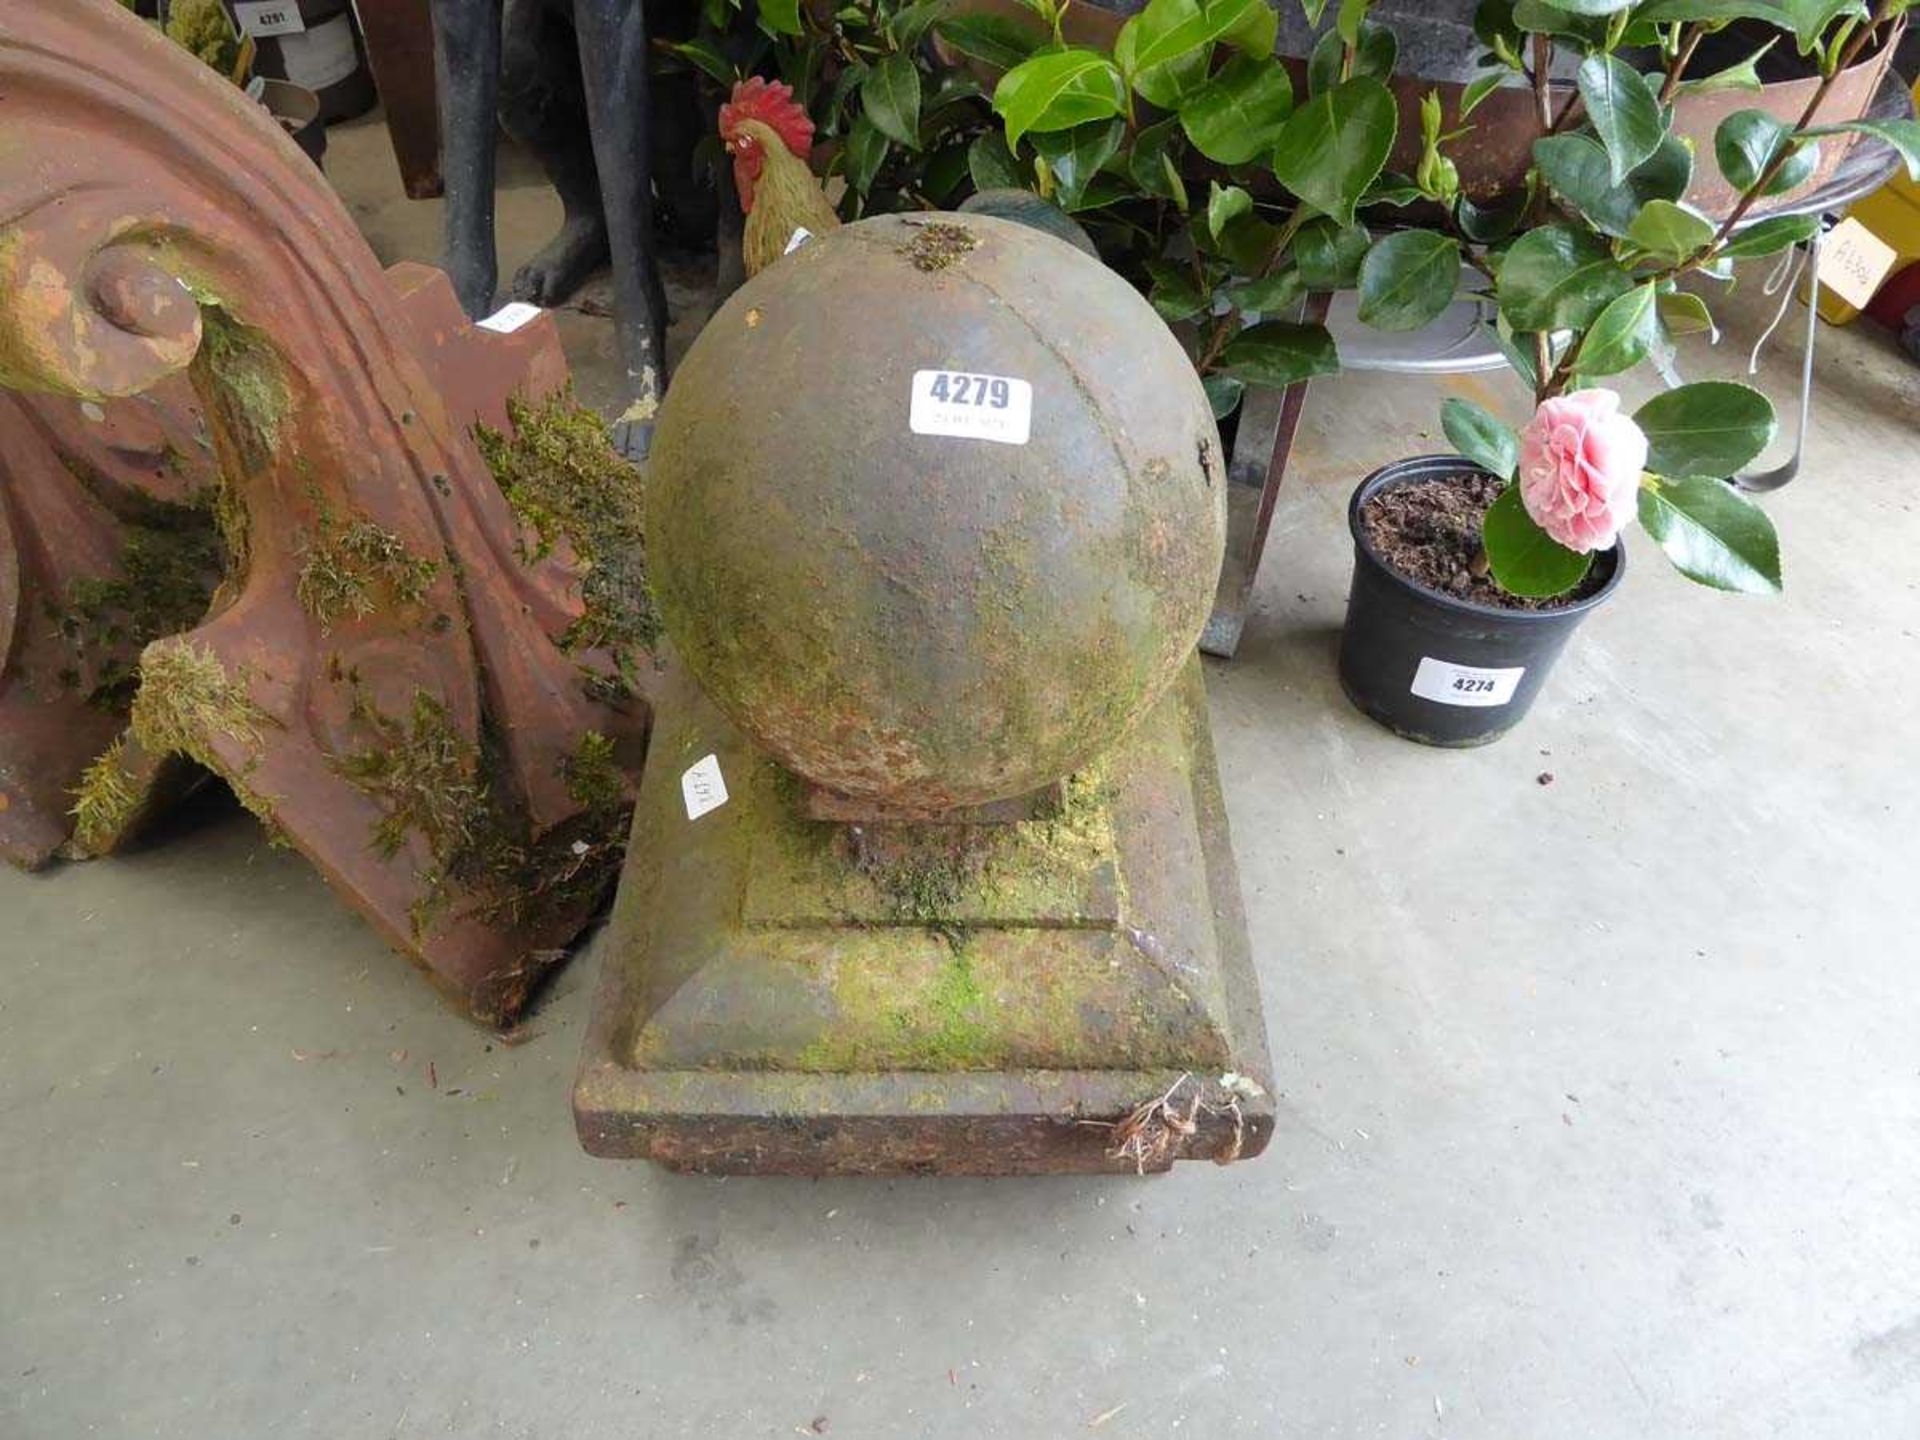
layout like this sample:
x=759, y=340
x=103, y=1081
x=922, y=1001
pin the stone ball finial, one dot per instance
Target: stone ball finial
x=936, y=509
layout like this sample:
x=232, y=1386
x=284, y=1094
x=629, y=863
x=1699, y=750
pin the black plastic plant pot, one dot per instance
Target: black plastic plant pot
x=1436, y=669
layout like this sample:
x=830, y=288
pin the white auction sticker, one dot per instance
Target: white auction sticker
x=261, y=18
x=1451, y=684
x=799, y=237
x=510, y=317
x=1853, y=262
x=972, y=407
x=703, y=787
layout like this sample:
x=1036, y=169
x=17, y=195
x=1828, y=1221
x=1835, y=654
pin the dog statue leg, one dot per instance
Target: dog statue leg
x=466, y=62
x=613, y=63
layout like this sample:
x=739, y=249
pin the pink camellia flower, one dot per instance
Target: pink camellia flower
x=1580, y=464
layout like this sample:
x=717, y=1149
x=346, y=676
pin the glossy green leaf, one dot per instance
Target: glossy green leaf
x=1557, y=278
x=1177, y=293
x=997, y=40
x=1744, y=76
x=1075, y=156
x=1771, y=236
x=1223, y=394
x=705, y=56
x=992, y=165
x=1239, y=113
x=1348, y=19
x=891, y=99
x=1712, y=533
x=1056, y=91
x=1478, y=89
x=1623, y=111
x=1225, y=203
x=1172, y=32
x=1329, y=255
x=1373, y=56
x=1277, y=354
x=1670, y=230
x=1748, y=142
x=1576, y=168
x=866, y=148
x=1488, y=442
x=1150, y=164
x=1248, y=242
x=1313, y=10
x=910, y=25
x=1683, y=313
x=780, y=17
x=1903, y=135
x=1487, y=224
x=1806, y=19
x=1269, y=295
x=1517, y=346
x=1539, y=17
x=1525, y=560
x=1710, y=428
x=1623, y=334
x=1591, y=7
x=1334, y=145
x=1407, y=279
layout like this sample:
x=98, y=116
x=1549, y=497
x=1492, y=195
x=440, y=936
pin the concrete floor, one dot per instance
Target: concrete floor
x=1599, y=1100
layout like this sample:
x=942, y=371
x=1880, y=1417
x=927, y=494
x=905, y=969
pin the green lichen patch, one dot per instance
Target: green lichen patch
x=937, y=244
x=594, y=778
x=162, y=585
x=565, y=482
x=353, y=570
x=105, y=799
x=242, y=381
x=201, y=28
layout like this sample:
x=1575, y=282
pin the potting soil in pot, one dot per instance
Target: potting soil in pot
x=1429, y=532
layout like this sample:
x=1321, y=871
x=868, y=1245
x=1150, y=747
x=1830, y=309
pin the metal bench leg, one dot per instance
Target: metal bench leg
x=1759, y=482
x=1261, y=449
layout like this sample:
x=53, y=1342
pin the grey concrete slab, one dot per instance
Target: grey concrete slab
x=1599, y=1099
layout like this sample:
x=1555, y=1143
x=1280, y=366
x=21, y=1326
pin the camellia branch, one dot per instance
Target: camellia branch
x=1551, y=385
x=1690, y=39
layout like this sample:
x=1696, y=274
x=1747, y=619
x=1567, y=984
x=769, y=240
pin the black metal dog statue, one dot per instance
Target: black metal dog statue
x=570, y=80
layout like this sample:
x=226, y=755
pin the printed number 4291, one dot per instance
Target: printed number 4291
x=985, y=390
x=1469, y=686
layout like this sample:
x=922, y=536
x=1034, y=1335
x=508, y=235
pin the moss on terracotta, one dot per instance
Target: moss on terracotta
x=161, y=585
x=565, y=482
x=353, y=570
x=186, y=699
x=484, y=860
x=105, y=799
x=420, y=771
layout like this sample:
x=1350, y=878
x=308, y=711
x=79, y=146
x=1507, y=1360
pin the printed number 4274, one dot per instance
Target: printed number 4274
x=1469, y=686
x=985, y=390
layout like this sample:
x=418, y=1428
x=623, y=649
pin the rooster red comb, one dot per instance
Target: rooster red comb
x=771, y=103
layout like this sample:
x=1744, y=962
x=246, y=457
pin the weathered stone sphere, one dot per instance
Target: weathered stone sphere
x=924, y=620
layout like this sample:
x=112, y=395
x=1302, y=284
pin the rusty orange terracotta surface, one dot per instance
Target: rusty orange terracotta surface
x=177, y=281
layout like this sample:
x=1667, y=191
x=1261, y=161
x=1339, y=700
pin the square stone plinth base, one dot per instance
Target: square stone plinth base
x=786, y=995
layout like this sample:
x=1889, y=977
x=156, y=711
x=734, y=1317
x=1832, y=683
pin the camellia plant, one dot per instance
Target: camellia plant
x=1586, y=268
x=1190, y=85
x=1584, y=264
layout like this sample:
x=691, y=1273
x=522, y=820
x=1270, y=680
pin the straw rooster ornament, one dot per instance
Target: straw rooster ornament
x=769, y=137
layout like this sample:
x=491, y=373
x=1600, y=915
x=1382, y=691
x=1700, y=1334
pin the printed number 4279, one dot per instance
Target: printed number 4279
x=986, y=390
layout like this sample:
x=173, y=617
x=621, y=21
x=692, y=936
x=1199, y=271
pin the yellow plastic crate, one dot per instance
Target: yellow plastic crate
x=1893, y=213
